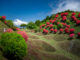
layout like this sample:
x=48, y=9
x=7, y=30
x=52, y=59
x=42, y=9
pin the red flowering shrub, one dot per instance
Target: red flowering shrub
x=53, y=21
x=51, y=29
x=9, y=30
x=73, y=13
x=43, y=25
x=68, y=26
x=17, y=29
x=47, y=23
x=61, y=30
x=64, y=24
x=72, y=30
x=50, y=21
x=55, y=30
x=78, y=22
x=73, y=18
x=5, y=22
x=78, y=34
x=40, y=27
x=51, y=25
x=66, y=30
x=3, y=17
x=64, y=18
x=45, y=31
x=47, y=26
x=79, y=15
x=23, y=34
x=64, y=14
x=56, y=15
x=71, y=35
x=58, y=23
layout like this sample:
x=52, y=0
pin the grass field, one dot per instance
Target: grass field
x=51, y=47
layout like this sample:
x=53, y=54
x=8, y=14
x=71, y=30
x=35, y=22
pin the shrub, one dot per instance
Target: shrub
x=73, y=13
x=50, y=21
x=71, y=35
x=79, y=15
x=56, y=15
x=78, y=22
x=45, y=31
x=55, y=30
x=53, y=21
x=9, y=30
x=17, y=29
x=51, y=25
x=23, y=34
x=66, y=30
x=51, y=29
x=47, y=23
x=61, y=30
x=3, y=17
x=60, y=26
x=5, y=22
x=68, y=26
x=64, y=18
x=13, y=46
x=72, y=30
x=78, y=34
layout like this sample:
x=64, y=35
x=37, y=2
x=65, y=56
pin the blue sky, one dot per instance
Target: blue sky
x=23, y=11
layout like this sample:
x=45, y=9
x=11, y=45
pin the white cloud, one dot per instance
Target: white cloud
x=19, y=22
x=65, y=5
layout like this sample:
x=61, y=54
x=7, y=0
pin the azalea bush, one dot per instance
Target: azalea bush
x=13, y=46
x=9, y=30
x=45, y=31
x=60, y=26
x=23, y=34
x=71, y=36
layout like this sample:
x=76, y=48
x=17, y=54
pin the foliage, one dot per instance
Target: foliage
x=23, y=25
x=13, y=46
x=37, y=22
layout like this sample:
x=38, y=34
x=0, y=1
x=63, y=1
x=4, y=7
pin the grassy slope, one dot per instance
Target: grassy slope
x=54, y=40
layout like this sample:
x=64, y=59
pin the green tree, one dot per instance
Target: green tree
x=31, y=25
x=37, y=22
x=23, y=25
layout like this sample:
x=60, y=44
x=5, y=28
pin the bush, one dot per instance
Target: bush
x=23, y=34
x=9, y=30
x=13, y=46
x=68, y=21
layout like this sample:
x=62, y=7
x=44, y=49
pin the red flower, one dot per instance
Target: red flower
x=73, y=13
x=47, y=26
x=3, y=17
x=68, y=26
x=72, y=30
x=71, y=35
x=47, y=23
x=17, y=29
x=55, y=30
x=43, y=25
x=23, y=34
x=64, y=24
x=53, y=21
x=64, y=14
x=50, y=21
x=58, y=23
x=56, y=15
x=40, y=27
x=51, y=25
x=79, y=15
x=78, y=22
x=73, y=18
x=51, y=29
x=78, y=34
x=61, y=30
x=45, y=31
x=9, y=30
x=66, y=30
x=5, y=22
x=64, y=18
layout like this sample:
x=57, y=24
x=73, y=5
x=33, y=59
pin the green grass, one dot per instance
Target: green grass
x=53, y=42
